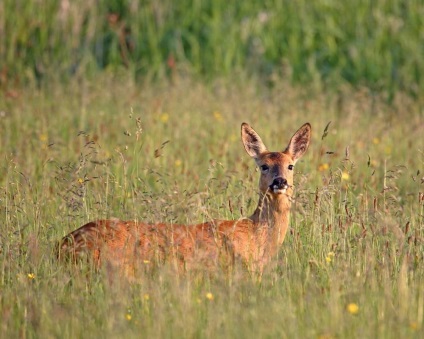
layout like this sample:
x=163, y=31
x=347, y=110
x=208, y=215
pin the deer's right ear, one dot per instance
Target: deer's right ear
x=252, y=141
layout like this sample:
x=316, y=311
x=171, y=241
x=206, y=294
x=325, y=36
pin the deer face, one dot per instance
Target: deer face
x=276, y=167
x=276, y=172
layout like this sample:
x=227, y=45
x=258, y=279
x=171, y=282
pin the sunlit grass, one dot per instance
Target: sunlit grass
x=352, y=265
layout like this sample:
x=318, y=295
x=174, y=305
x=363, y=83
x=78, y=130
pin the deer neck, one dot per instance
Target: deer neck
x=272, y=215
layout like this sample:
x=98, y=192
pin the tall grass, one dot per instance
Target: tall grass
x=352, y=265
x=378, y=44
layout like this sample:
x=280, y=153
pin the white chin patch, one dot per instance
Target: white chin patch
x=280, y=191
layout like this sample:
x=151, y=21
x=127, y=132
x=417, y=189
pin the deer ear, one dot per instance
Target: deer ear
x=252, y=141
x=299, y=142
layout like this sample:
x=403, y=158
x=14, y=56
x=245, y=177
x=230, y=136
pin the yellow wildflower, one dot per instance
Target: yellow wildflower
x=128, y=316
x=43, y=138
x=413, y=325
x=31, y=276
x=323, y=167
x=376, y=140
x=178, y=163
x=329, y=257
x=217, y=115
x=146, y=296
x=345, y=176
x=164, y=117
x=352, y=308
x=325, y=336
x=209, y=296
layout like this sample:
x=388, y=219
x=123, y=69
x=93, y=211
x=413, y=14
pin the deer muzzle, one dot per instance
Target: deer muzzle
x=279, y=185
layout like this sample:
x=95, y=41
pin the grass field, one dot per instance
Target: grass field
x=352, y=265
x=132, y=109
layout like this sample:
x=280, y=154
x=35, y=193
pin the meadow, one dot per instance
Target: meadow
x=352, y=265
x=148, y=128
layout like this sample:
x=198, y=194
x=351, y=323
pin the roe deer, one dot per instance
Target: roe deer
x=254, y=240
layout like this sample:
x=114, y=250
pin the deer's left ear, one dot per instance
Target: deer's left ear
x=299, y=142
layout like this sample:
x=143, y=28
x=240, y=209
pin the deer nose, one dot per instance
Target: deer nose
x=278, y=184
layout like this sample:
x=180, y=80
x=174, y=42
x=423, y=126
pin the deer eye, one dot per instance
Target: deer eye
x=264, y=168
x=290, y=167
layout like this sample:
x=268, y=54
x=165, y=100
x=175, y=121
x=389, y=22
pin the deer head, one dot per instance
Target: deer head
x=276, y=167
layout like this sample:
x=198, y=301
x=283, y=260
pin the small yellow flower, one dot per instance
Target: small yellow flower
x=325, y=336
x=164, y=117
x=178, y=163
x=376, y=140
x=209, y=296
x=352, y=308
x=323, y=167
x=80, y=181
x=146, y=296
x=413, y=325
x=43, y=137
x=31, y=276
x=128, y=316
x=146, y=261
x=217, y=115
x=345, y=176
x=329, y=257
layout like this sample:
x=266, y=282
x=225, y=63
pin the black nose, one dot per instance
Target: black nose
x=279, y=184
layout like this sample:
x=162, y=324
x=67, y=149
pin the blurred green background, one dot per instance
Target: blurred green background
x=378, y=44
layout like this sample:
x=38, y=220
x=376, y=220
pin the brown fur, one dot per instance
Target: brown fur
x=253, y=240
